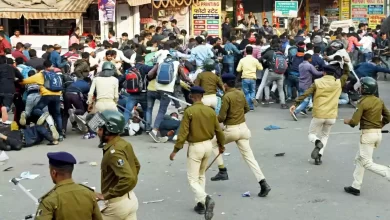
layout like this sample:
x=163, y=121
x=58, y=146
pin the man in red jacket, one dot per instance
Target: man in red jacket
x=18, y=52
x=3, y=43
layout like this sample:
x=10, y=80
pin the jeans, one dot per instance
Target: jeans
x=151, y=98
x=162, y=110
x=53, y=103
x=133, y=100
x=228, y=68
x=279, y=78
x=259, y=92
x=169, y=125
x=72, y=100
x=248, y=87
x=176, y=94
x=344, y=99
x=367, y=56
x=292, y=81
x=303, y=104
x=31, y=101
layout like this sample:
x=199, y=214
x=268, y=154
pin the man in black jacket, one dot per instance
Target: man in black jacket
x=8, y=74
x=34, y=61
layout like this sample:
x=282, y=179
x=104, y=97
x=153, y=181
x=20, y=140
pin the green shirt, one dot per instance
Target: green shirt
x=234, y=107
x=119, y=168
x=68, y=200
x=209, y=81
x=369, y=112
x=199, y=124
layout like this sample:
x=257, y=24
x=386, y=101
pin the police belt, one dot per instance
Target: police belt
x=118, y=199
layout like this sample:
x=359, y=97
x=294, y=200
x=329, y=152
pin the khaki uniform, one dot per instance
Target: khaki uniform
x=232, y=115
x=326, y=92
x=210, y=82
x=369, y=113
x=68, y=200
x=120, y=168
x=198, y=127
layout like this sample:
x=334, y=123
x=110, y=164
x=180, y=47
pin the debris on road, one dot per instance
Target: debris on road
x=280, y=154
x=93, y=164
x=222, y=213
x=83, y=162
x=226, y=154
x=84, y=183
x=28, y=175
x=8, y=169
x=272, y=127
x=3, y=158
x=38, y=164
x=246, y=194
x=154, y=201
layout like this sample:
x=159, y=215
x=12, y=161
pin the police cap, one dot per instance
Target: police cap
x=228, y=77
x=61, y=159
x=330, y=70
x=197, y=90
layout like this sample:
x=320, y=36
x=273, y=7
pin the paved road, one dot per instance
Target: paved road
x=300, y=190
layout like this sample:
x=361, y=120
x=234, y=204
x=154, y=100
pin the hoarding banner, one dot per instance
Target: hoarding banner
x=286, y=9
x=206, y=17
x=367, y=11
x=107, y=10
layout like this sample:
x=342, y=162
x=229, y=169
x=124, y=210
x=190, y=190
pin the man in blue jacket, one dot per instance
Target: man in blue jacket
x=228, y=60
x=317, y=60
x=370, y=69
x=55, y=57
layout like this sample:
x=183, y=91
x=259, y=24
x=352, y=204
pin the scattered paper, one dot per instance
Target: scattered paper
x=28, y=190
x=246, y=194
x=83, y=162
x=226, y=154
x=154, y=201
x=222, y=213
x=93, y=164
x=28, y=175
x=1, y=195
x=3, y=158
x=84, y=183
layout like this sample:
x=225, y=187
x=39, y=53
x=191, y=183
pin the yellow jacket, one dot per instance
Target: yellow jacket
x=39, y=79
x=326, y=97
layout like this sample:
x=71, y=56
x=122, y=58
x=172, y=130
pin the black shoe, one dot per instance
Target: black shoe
x=352, y=191
x=199, y=208
x=221, y=175
x=101, y=145
x=209, y=213
x=316, y=150
x=264, y=188
x=318, y=161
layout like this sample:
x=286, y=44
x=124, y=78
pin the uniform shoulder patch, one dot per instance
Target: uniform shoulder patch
x=112, y=151
x=120, y=162
x=39, y=212
x=87, y=187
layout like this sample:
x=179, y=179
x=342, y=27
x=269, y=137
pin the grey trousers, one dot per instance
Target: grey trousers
x=279, y=79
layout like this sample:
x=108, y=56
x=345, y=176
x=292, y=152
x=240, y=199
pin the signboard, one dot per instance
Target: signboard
x=107, y=10
x=363, y=10
x=345, y=11
x=206, y=17
x=286, y=9
x=37, y=41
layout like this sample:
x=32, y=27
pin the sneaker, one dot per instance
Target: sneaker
x=23, y=117
x=303, y=112
x=310, y=109
x=174, y=138
x=86, y=136
x=294, y=116
x=71, y=115
x=7, y=122
x=61, y=138
x=42, y=119
x=54, y=132
x=199, y=208
x=255, y=102
x=153, y=134
x=266, y=103
x=163, y=139
x=283, y=106
x=92, y=135
x=251, y=110
x=81, y=123
x=316, y=151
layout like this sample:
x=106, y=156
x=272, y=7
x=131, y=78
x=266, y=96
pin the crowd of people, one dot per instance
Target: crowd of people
x=119, y=82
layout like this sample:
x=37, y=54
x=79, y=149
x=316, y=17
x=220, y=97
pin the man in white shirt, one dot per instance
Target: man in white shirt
x=337, y=45
x=102, y=54
x=111, y=37
x=309, y=49
x=367, y=42
x=16, y=38
x=119, y=54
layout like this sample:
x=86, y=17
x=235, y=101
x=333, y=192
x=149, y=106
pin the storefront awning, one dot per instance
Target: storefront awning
x=43, y=9
x=138, y=2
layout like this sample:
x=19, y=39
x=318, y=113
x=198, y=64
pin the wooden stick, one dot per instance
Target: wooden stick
x=213, y=161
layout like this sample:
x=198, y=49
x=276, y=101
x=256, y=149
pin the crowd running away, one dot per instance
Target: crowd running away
x=109, y=90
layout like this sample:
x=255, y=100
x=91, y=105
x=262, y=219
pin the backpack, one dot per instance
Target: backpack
x=53, y=81
x=166, y=72
x=279, y=63
x=292, y=51
x=134, y=82
x=26, y=70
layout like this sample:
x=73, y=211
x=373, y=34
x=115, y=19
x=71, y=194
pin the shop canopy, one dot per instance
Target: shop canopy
x=43, y=9
x=138, y=2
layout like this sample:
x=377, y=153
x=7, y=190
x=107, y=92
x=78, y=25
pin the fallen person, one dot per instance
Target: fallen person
x=170, y=126
x=28, y=137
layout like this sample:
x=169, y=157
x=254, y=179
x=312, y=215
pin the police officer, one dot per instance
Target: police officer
x=67, y=200
x=120, y=168
x=372, y=115
x=232, y=115
x=198, y=127
x=210, y=82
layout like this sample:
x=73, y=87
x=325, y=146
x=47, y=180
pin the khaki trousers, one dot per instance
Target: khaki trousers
x=319, y=130
x=369, y=140
x=240, y=134
x=197, y=158
x=105, y=104
x=121, y=208
x=210, y=100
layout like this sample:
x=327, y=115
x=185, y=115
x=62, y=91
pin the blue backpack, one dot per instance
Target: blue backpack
x=53, y=81
x=166, y=72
